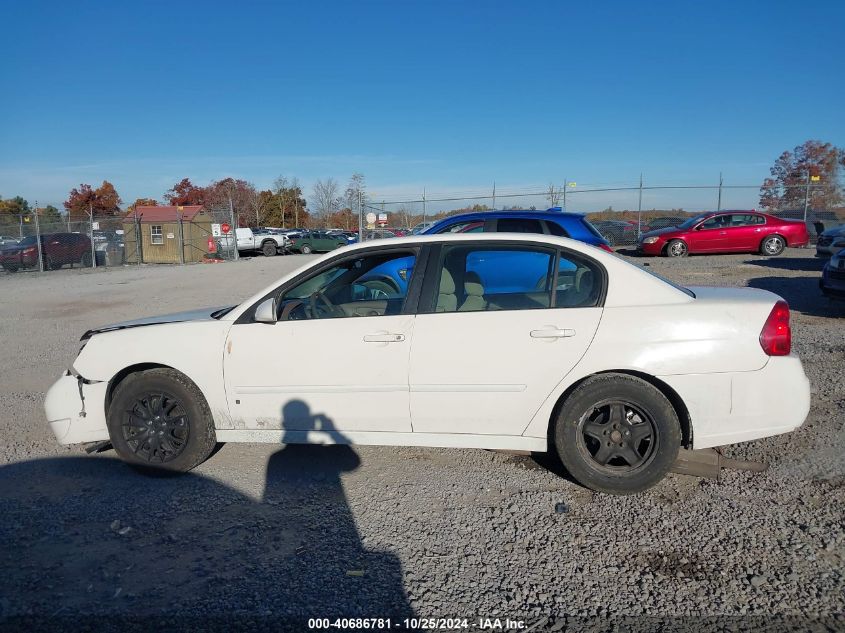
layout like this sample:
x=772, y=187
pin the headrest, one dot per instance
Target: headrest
x=447, y=284
x=472, y=285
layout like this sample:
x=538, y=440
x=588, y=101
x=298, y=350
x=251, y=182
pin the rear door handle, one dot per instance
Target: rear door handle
x=552, y=333
x=386, y=337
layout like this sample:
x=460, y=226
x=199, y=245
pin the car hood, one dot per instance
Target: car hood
x=202, y=314
x=664, y=231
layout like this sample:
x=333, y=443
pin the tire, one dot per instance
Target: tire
x=187, y=427
x=11, y=268
x=677, y=248
x=306, y=249
x=772, y=245
x=268, y=248
x=587, y=433
x=49, y=264
x=85, y=260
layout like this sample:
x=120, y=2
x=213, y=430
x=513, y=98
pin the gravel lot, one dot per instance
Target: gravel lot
x=259, y=534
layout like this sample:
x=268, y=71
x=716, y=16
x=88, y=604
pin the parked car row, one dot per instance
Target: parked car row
x=57, y=250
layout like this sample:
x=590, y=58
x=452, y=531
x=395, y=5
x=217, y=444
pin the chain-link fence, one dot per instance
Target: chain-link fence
x=620, y=213
x=36, y=242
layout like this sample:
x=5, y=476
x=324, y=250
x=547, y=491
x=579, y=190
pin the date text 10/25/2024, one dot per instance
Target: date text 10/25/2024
x=414, y=624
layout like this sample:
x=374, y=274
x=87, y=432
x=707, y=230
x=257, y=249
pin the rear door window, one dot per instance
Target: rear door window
x=518, y=225
x=556, y=229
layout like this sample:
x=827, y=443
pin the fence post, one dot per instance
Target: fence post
x=806, y=196
x=181, y=238
x=38, y=240
x=565, y=185
x=640, y=209
x=235, y=254
x=91, y=235
x=494, y=195
x=424, y=210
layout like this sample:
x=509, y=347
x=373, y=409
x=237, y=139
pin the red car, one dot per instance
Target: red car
x=57, y=249
x=726, y=232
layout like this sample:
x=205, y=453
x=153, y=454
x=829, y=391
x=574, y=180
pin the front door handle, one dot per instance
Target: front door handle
x=385, y=337
x=552, y=333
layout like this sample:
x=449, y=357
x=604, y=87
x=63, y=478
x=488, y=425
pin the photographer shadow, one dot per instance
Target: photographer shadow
x=90, y=531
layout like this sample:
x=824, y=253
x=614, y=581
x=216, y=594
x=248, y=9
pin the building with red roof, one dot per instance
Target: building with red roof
x=167, y=234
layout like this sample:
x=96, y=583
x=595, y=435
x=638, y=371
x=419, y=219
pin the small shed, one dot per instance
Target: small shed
x=167, y=234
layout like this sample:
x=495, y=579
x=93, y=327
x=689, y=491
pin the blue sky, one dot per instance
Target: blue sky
x=449, y=96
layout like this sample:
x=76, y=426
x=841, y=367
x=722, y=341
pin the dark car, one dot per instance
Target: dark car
x=664, y=222
x=316, y=242
x=726, y=232
x=832, y=283
x=616, y=231
x=550, y=222
x=57, y=249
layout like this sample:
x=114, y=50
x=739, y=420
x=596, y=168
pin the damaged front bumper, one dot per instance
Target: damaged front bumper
x=75, y=409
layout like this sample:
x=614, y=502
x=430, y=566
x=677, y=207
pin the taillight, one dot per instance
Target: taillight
x=776, y=336
x=605, y=247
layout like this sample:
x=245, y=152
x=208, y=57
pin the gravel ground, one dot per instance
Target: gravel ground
x=259, y=535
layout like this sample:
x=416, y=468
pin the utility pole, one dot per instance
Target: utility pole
x=565, y=185
x=423, y=205
x=360, y=215
x=494, y=195
x=640, y=209
x=719, y=202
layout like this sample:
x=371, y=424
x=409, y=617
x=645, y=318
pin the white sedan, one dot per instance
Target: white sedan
x=497, y=341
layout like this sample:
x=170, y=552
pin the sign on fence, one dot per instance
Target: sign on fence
x=215, y=230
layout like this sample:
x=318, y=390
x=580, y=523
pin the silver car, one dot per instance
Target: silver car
x=831, y=241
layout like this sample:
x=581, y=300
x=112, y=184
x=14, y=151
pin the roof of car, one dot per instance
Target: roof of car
x=549, y=214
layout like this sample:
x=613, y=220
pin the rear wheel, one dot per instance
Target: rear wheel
x=159, y=419
x=306, y=249
x=677, y=248
x=772, y=245
x=268, y=248
x=617, y=434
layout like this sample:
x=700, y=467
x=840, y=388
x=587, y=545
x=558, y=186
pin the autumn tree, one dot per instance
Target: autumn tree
x=231, y=196
x=142, y=202
x=185, y=193
x=326, y=197
x=288, y=204
x=792, y=171
x=86, y=202
x=11, y=212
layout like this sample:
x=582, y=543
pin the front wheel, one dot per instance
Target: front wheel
x=772, y=245
x=677, y=248
x=617, y=434
x=269, y=249
x=306, y=249
x=159, y=419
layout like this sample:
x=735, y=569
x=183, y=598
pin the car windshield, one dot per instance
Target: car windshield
x=693, y=221
x=29, y=240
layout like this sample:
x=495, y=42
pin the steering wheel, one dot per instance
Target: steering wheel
x=331, y=309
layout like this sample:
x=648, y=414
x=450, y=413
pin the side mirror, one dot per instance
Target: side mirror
x=266, y=311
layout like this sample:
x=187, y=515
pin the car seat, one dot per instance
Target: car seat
x=474, y=291
x=447, y=300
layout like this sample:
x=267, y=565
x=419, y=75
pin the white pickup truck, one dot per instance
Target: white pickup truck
x=249, y=240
